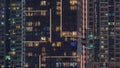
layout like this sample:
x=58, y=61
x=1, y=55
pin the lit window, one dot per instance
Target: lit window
x=73, y=7
x=13, y=4
x=29, y=8
x=57, y=28
x=30, y=44
x=29, y=14
x=13, y=53
x=44, y=59
x=73, y=2
x=74, y=33
x=26, y=65
x=17, y=7
x=64, y=53
x=73, y=39
x=43, y=13
x=37, y=23
x=43, y=3
x=58, y=44
x=66, y=33
x=36, y=43
x=58, y=12
x=102, y=42
x=29, y=28
x=30, y=54
x=2, y=66
x=58, y=3
x=43, y=65
x=14, y=8
x=58, y=8
x=102, y=56
x=102, y=37
x=2, y=23
x=111, y=23
x=74, y=53
x=18, y=27
x=3, y=16
x=29, y=23
x=102, y=46
x=43, y=38
x=53, y=44
x=2, y=42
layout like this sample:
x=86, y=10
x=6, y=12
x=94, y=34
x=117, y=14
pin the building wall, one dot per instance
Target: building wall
x=51, y=34
x=103, y=18
x=2, y=33
x=11, y=38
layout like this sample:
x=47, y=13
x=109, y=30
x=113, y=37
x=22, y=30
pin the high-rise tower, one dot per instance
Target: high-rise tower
x=51, y=33
x=11, y=33
x=2, y=33
x=104, y=33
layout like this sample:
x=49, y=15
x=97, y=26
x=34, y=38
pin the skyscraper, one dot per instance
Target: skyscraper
x=46, y=37
x=51, y=33
x=2, y=33
x=11, y=33
x=104, y=33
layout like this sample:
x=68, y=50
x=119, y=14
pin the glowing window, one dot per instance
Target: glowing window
x=29, y=23
x=58, y=7
x=2, y=66
x=43, y=38
x=43, y=13
x=18, y=27
x=58, y=44
x=30, y=54
x=36, y=44
x=74, y=53
x=73, y=7
x=58, y=28
x=29, y=28
x=73, y=2
x=43, y=3
x=37, y=23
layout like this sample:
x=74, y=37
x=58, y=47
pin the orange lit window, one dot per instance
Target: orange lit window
x=73, y=2
x=29, y=23
x=43, y=13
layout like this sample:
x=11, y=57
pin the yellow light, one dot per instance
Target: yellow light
x=14, y=8
x=53, y=44
x=30, y=54
x=2, y=66
x=13, y=4
x=13, y=53
x=43, y=38
x=78, y=59
x=74, y=53
x=58, y=44
x=18, y=27
x=57, y=28
x=36, y=44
